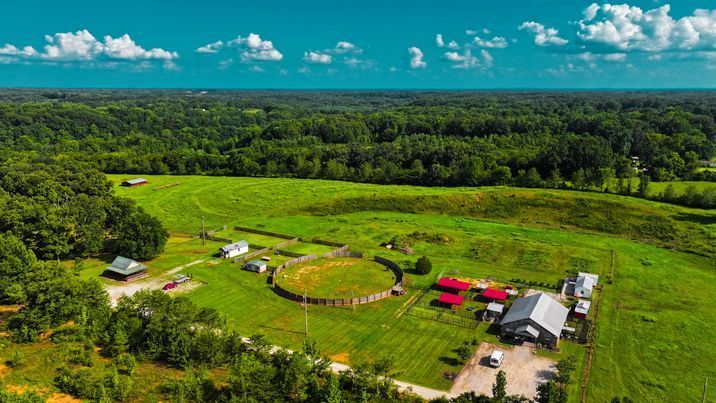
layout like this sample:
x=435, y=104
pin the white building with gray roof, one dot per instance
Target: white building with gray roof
x=536, y=319
x=234, y=249
x=584, y=284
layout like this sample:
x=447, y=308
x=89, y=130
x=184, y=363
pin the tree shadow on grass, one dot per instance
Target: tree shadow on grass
x=452, y=361
x=282, y=330
x=696, y=218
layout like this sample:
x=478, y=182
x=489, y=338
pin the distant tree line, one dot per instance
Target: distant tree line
x=445, y=139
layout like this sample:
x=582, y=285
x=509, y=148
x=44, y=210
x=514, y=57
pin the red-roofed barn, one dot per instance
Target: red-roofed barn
x=450, y=284
x=450, y=299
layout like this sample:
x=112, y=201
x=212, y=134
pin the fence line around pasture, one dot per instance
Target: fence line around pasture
x=218, y=239
x=285, y=243
x=262, y=232
x=341, y=252
x=322, y=242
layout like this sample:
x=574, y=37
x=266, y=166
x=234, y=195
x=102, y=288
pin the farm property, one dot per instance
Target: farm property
x=664, y=255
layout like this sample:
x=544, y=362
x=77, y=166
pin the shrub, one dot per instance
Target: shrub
x=423, y=265
x=16, y=359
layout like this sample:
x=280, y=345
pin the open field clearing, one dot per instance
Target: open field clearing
x=659, y=290
x=337, y=278
x=180, y=250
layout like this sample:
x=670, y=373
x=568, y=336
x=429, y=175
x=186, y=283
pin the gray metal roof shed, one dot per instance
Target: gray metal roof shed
x=125, y=266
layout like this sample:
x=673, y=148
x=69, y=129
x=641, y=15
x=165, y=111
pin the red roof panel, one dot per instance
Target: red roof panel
x=452, y=299
x=453, y=284
x=495, y=294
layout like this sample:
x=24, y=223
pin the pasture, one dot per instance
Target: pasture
x=655, y=310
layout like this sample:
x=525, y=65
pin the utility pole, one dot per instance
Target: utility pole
x=203, y=233
x=305, y=310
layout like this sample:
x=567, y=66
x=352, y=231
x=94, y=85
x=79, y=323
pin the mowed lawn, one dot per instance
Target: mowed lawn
x=337, y=278
x=655, y=328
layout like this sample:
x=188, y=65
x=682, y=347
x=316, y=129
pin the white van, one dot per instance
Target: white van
x=496, y=358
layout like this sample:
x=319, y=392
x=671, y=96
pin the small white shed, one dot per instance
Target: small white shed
x=234, y=249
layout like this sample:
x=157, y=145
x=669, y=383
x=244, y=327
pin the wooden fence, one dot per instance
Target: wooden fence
x=342, y=252
x=262, y=232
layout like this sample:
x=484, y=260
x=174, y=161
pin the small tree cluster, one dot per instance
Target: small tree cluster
x=423, y=265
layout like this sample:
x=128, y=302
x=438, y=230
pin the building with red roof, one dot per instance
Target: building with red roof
x=450, y=299
x=495, y=295
x=450, y=284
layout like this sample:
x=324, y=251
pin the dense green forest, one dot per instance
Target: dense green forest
x=581, y=140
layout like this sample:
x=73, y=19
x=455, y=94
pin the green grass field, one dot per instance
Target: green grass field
x=655, y=323
x=337, y=278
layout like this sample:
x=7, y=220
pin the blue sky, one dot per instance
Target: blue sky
x=477, y=44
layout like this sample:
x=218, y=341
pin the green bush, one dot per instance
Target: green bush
x=16, y=359
x=423, y=265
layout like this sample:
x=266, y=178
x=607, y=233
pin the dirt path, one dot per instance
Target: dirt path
x=117, y=290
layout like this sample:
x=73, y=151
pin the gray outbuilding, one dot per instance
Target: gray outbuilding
x=536, y=319
x=257, y=266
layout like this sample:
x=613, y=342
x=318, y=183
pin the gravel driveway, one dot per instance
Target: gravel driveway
x=524, y=370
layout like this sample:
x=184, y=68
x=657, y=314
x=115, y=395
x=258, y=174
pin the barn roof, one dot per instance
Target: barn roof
x=125, y=266
x=234, y=246
x=452, y=299
x=587, y=280
x=540, y=308
x=257, y=263
x=453, y=284
x=495, y=307
x=495, y=294
x=582, y=307
x=135, y=181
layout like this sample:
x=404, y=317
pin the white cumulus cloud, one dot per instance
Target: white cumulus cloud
x=498, y=42
x=629, y=28
x=82, y=46
x=213, y=47
x=11, y=50
x=253, y=48
x=416, y=58
x=467, y=60
x=317, y=57
x=126, y=49
x=543, y=36
x=326, y=56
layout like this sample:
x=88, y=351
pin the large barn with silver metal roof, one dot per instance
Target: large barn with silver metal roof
x=536, y=319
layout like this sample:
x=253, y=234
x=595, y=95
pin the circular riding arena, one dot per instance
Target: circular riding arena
x=338, y=281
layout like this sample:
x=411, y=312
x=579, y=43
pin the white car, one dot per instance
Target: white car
x=496, y=358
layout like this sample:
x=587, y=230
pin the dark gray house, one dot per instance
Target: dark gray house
x=536, y=319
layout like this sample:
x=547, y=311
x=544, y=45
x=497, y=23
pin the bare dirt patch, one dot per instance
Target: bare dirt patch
x=524, y=370
x=343, y=358
x=61, y=398
x=4, y=369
